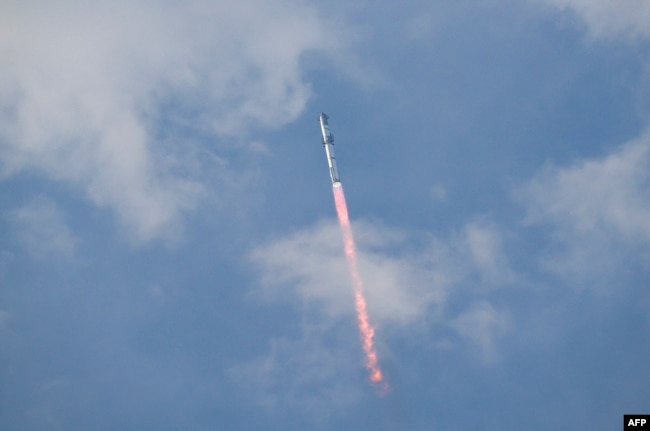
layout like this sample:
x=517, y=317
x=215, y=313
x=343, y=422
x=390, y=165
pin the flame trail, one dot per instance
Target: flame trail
x=365, y=328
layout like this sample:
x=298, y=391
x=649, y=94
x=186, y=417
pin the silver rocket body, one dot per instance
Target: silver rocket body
x=328, y=143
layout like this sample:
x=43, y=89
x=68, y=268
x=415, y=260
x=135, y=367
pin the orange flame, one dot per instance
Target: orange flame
x=366, y=330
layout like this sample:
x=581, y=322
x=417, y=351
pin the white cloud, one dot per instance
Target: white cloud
x=399, y=286
x=599, y=209
x=91, y=93
x=41, y=229
x=607, y=18
x=317, y=380
x=414, y=283
x=483, y=243
x=408, y=277
x=481, y=325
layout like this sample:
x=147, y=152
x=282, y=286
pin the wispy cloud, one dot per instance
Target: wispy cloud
x=41, y=229
x=310, y=377
x=599, y=209
x=309, y=266
x=414, y=283
x=409, y=277
x=481, y=325
x=610, y=18
x=483, y=243
x=91, y=94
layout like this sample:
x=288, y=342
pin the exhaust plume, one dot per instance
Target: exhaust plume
x=366, y=330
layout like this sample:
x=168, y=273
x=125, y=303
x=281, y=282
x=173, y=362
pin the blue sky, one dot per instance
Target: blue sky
x=169, y=253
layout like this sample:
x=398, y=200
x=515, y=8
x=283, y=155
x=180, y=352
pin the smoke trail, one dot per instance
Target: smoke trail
x=365, y=328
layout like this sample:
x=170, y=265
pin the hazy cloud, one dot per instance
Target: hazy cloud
x=599, y=209
x=483, y=243
x=481, y=325
x=400, y=285
x=606, y=18
x=91, y=94
x=42, y=230
x=314, y=379
x=408, y=277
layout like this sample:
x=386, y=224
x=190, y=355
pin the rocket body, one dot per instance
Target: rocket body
x=328, y=143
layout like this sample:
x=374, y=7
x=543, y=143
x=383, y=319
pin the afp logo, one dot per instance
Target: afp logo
x=636, y=422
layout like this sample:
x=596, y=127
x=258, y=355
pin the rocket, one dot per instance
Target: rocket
x=328, y=143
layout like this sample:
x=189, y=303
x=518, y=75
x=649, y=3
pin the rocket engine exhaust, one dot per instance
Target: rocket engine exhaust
x=366, y=330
